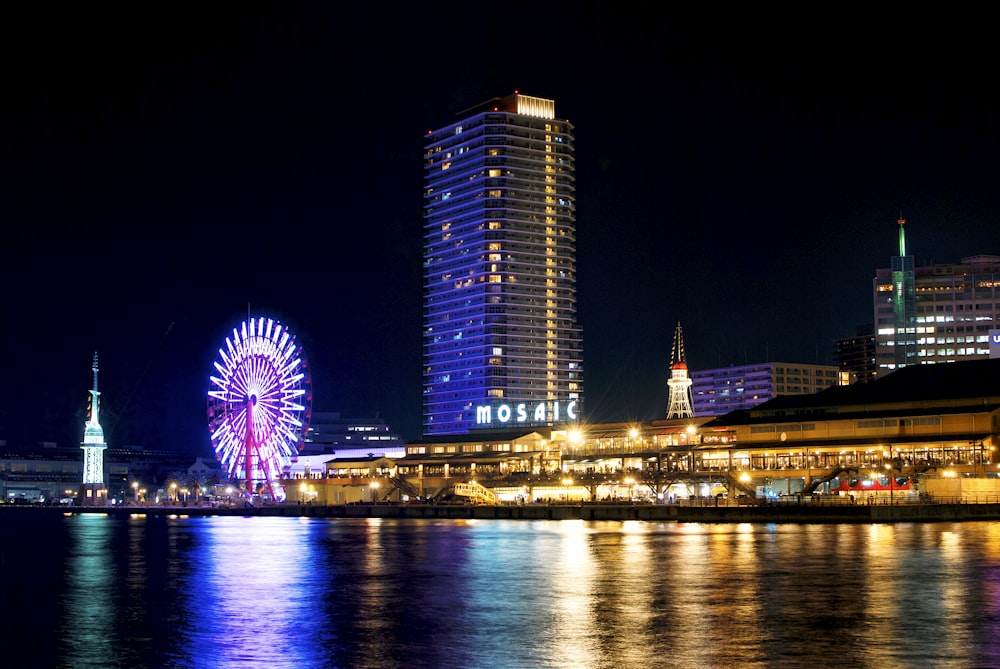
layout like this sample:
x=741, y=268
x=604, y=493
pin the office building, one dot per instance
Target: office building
x=502, y=347
x=855, y=356
x=949, y=318
x=331, y=434
x=724, y=389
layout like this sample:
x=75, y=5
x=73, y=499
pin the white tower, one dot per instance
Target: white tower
x=93, y=492
x=679, y=382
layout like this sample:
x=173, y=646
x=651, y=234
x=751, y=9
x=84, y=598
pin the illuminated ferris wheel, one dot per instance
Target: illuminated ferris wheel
x=258, y=405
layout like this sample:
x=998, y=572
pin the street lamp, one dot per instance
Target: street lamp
x=135, y=491
x=892, y=481
x=374, y=486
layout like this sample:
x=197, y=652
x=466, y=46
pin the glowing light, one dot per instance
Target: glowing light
x=258, y=397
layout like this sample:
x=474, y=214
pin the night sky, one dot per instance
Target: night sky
x=167, y=167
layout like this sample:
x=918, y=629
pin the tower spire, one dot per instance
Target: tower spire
x=679, y=383
x=904, y=306
x=94, y=394
x=902, y=235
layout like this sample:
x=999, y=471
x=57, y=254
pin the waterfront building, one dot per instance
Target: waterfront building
x=93, y=491
x=330, y=433
x=934, y=313
x=922, y=421
x=679, y=383
x=47, y=472
x=502, y=347
x=855, y=356
x=721, y=390
x=918, y=423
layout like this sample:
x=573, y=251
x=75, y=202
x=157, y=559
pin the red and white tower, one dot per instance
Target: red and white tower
x=679, y=381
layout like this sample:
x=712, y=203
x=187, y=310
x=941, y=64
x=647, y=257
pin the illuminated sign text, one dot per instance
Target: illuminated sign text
x=506, y=414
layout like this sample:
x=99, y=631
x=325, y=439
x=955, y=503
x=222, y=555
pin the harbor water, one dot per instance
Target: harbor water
x=93, y=590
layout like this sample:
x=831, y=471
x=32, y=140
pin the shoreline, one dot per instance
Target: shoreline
x=779, y=513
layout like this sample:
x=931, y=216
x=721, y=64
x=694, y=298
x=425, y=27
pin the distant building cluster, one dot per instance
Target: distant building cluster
x=331, y=433
x=502, y=349
x=719, y=391
x=942, y=313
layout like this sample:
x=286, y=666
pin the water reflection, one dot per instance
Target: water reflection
x=88, y=603
x=254, y=598
x=286, y=592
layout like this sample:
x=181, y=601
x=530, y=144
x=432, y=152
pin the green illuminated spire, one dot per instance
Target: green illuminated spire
x=902, y=237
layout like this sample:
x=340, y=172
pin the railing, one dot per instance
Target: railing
x=477, y=493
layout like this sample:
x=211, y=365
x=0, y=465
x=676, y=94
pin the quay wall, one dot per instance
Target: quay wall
x=780, y=513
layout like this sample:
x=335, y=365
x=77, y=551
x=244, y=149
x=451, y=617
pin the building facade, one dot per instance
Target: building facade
x=724, y=389
x=955, y=308
x=502, y=348
x=331, y=433
x=855, y=356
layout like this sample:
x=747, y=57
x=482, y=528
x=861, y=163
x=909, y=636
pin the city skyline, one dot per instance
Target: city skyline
x=164, y=178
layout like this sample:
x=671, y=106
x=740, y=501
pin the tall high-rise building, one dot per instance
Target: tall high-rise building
x=502, y=347
x=953, y=308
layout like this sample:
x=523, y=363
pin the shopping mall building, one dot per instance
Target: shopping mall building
x=907, y=433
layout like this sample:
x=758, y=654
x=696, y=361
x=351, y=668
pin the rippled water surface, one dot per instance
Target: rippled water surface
x=96, y=591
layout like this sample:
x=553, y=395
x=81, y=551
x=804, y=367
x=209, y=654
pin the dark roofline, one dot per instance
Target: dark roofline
x=969, y=384
x=486, y=436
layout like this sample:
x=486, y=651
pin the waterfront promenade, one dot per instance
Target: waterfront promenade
x=806, y=512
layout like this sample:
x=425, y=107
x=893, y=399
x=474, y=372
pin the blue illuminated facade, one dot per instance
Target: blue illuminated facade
x=502, y=347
